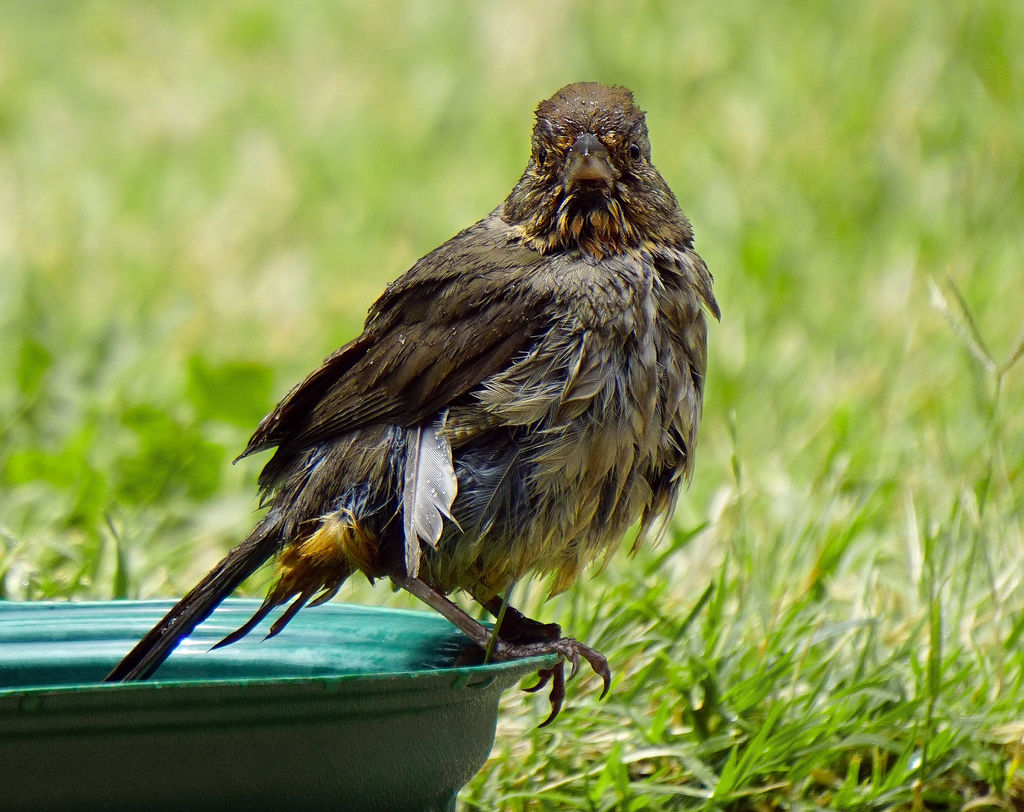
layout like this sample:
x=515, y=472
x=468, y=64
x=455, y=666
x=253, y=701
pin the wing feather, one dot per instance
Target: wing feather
x=456, y=317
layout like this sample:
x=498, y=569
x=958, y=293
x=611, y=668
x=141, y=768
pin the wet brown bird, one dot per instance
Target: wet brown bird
x=519, y=398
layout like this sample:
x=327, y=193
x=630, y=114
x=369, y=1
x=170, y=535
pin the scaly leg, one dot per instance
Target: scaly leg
x=519, y=637
x=517, y=628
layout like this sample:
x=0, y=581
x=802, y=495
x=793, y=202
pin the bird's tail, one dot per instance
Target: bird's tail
x=199, y=603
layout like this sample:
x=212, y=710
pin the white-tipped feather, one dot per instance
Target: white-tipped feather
x=430, y=488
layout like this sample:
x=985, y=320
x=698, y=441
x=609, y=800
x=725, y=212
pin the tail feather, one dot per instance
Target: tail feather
x=150, y=652
x=265, y=609
x=278, y=625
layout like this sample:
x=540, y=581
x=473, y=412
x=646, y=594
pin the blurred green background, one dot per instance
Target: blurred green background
x=199, y=202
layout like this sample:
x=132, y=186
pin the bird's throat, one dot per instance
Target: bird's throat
x=586, y=219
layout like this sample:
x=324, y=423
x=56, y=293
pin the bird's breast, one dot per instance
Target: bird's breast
x=574, y=438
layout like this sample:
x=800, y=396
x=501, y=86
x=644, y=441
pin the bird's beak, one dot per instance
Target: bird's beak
x=588, y=163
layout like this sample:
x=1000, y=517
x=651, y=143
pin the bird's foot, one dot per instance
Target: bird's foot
x=521, y=636
x=517, y=637
x=570, y=650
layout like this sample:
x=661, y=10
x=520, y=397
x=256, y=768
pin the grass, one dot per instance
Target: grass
x=196, y=205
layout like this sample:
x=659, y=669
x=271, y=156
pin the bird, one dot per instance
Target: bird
x=517, y=400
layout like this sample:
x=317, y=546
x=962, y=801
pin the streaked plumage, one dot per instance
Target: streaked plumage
x=520, y=397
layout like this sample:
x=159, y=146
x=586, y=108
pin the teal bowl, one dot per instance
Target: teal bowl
x=350, y=707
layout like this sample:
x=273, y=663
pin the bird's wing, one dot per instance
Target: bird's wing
x=457, y=316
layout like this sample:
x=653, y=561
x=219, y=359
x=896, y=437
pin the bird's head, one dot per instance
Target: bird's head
x=590, y=184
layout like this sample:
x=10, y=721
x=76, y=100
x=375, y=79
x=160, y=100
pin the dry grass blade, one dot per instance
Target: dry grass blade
x=1014, y=356
x=963, y=323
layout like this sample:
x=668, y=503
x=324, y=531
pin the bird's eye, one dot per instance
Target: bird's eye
x=635, y=152
x=542, y=156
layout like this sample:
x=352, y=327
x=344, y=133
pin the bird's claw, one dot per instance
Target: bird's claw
x=557, y=695
x=543, y=678
x=569, y=650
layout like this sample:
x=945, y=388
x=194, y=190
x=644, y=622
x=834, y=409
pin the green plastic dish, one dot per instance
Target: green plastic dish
x=350, y=707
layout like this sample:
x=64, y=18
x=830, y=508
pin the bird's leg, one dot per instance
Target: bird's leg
x=471, y=627
x=518, y=637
